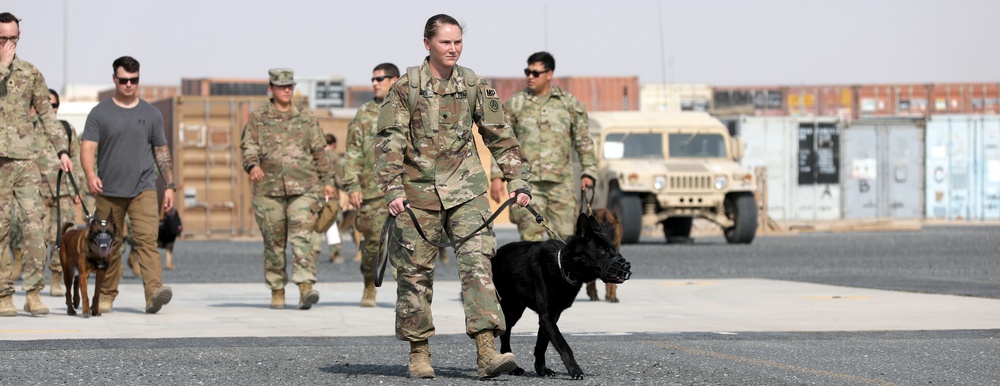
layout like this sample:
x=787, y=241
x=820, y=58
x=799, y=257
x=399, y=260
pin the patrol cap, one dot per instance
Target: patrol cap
x=281, y=76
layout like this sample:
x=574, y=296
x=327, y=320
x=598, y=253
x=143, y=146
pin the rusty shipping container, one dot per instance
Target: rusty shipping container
x=214, y=196
x=813, y=101
x=749, y=100
x=597, y=93
x=148, y=93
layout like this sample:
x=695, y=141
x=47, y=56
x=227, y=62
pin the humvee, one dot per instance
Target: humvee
x=670, y=168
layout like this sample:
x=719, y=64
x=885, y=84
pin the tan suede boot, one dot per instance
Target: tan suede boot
x=105, y=304
x=307, y=296
x=278, y=299
x=56, y=289
x=368, y=298
x=420, y=360
x=34, y=304
x=489, y=361
x=7, y=306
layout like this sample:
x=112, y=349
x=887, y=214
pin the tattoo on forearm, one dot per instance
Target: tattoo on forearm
x=164, y=163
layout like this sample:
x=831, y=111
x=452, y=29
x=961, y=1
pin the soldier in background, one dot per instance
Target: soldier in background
x=550, y=124
x=359, y=176
x=346, y=217
x=426, y=155
x=63, y=203
x=282, y=149
x=22, y=87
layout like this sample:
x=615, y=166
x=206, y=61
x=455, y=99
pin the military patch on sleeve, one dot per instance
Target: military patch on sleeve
x=386, y=115
x=492, y=111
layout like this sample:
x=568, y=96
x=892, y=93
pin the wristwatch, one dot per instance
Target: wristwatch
x=172, y=186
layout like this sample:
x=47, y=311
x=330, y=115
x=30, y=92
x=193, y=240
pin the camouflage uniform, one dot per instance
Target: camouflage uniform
x=359, y=176
x=347, y=212
x=288, y=147
x=549, y=128
x=429, y=157
x=19, y=174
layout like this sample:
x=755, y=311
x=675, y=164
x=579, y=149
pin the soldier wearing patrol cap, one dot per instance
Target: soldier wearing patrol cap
x=426, y=154
x=283, y=152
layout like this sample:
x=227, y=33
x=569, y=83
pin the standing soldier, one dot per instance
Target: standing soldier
x=550, y=124
x=426, y=154
x=21, y=88
x=346, y=217
x=359, y=176
x=283, y=154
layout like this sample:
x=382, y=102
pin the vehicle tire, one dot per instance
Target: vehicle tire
x=742, y=209
x=677, y=230
x=629, y=210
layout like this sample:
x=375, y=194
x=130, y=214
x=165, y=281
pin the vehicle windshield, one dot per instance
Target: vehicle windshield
x=695, y=145
x=633, y=146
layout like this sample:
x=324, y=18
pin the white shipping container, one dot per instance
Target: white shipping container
x=963, y=167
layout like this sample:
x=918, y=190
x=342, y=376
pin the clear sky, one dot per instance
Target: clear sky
x=719, y=42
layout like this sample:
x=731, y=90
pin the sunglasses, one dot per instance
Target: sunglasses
x=124, y=81
x=533, y=73
x=380, y=78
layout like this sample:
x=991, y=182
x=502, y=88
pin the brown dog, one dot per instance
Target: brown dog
x=87, y=250
x=613, y=228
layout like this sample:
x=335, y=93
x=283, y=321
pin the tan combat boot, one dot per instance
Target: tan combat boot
x=34, y=304
x=56, y=288
x=420, y=360
x=278, y=299
x=490, y=362
x=7, y=306
x=105, y=304
x=307, y=296
x=368, y=298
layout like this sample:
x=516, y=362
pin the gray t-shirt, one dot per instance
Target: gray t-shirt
x=125, y=140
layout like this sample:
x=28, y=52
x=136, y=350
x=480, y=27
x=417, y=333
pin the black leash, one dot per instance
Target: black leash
x=586, y=205
x=389, y=232
x=87, y=216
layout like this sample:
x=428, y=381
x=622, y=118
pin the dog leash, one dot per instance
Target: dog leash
x=389, y=231
x=87, y=216
x=586, y=205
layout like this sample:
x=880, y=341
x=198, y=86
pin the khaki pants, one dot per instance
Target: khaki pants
x=144, y=212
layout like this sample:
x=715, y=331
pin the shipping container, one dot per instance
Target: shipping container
x=214, y=197
x=963, y=167
x=675, y=97
x=750, y=100
x=223, y=86
x=597, y=93
x=965, y=98
x=892, y=100
x=802, y=157
x=812, y=101
x=883, y=169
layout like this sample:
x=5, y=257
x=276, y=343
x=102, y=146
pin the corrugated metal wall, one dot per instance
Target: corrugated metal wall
x=883, y=169
x=963, y=167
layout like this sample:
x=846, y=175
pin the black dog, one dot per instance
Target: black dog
x=546, y=276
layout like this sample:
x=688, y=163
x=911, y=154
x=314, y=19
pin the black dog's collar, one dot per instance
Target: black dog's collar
x=561, y=272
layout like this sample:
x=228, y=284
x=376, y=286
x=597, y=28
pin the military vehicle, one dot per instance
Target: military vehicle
x=669, y=168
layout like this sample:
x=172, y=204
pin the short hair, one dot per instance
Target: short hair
x=8, y=17
x=127, y=63
x=436, y=21
x=546, y=58
x=389, y=69
x=55, y=94
x=330, y=138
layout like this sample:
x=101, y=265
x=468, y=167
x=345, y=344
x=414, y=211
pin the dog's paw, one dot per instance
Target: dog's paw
x=575, y=372
x=85, y=315
x=611, y=299
x=516, y=371
x=70, y=312
x=545, y=372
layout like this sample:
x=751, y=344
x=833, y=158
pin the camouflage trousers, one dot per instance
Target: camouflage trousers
x=19, y=182
x=556, y=202
x=414, y=260
x=288, y=220
x=369, y=222
x=144, y=213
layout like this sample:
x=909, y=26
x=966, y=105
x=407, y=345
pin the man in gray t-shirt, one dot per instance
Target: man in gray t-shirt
x=126, y=133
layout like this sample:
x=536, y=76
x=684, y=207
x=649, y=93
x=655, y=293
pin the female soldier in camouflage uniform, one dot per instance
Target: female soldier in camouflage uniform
x=426, y=154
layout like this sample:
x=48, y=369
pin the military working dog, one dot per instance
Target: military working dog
x=613, y=228
x=83, y=251
x=546, y=276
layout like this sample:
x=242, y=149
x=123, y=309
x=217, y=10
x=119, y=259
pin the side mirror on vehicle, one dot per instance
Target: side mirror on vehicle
x=737, y=145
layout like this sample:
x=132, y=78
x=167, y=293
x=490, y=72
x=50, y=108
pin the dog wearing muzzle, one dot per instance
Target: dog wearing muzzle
x=81, y=252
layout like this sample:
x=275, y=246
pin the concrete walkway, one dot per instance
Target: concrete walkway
x=654, y=306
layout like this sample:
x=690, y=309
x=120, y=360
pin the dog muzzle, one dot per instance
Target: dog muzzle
x=616, y=270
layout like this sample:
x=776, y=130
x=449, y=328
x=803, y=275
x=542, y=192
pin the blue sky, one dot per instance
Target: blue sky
x=717, y=42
